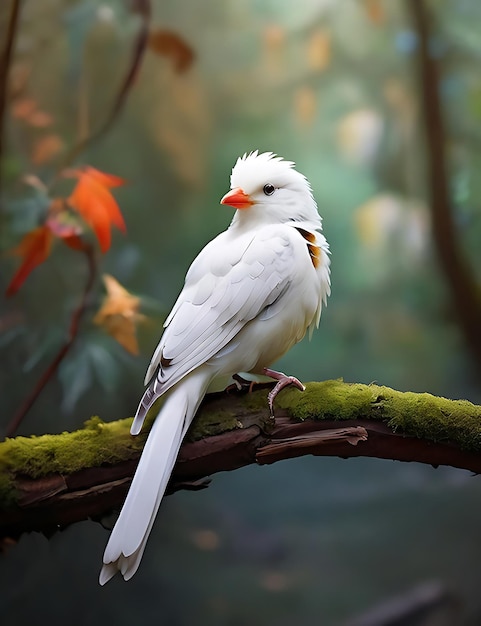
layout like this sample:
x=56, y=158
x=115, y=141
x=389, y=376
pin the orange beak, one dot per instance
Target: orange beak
x=237, y=198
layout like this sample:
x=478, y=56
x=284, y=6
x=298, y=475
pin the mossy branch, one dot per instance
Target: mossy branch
x=51, y=481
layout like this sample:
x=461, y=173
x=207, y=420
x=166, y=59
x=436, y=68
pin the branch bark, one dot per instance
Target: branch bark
x=51, y=481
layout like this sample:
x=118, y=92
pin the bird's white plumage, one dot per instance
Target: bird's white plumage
x=250, y=294
x=214, y=308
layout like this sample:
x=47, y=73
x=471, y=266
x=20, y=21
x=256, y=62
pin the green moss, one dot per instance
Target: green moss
x=257, y=400
x=429, y=417
x=418, y=414
x=208, y=423
x=96, y=444
x=331, y=399
x=421, y=415
x=7, y=490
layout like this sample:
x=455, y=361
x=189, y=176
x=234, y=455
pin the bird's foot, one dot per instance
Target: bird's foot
x=282, y=381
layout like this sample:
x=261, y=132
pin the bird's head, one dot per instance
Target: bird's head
x=267, y=189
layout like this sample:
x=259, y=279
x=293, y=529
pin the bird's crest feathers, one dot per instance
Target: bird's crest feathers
x=254, y=165
x=295, y=202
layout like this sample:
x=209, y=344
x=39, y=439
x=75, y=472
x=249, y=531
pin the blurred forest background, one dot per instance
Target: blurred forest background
x=171, y=93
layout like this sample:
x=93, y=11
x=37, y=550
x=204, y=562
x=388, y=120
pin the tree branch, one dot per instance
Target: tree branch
x=144, y=10
x=51, y=481
x=73, y=331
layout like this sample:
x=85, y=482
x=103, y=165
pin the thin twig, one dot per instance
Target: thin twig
x=5, y=61
x=73, y=332
x=143, y=8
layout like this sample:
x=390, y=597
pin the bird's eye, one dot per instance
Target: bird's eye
x=269, y=189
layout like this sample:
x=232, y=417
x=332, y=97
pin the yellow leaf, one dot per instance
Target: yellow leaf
x=123, y=331
x=319, y=50
x=119, y=314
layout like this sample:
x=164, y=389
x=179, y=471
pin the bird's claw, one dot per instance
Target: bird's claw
x=282, y=381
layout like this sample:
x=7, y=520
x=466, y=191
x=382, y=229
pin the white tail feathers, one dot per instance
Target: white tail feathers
x=131, y=531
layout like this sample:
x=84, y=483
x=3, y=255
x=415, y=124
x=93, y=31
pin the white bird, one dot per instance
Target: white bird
x=248, y=297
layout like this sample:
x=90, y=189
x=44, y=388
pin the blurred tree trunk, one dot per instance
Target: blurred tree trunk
x=461, y=281
x=7, y=42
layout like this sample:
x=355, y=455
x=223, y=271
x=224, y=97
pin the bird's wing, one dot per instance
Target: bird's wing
x=229, y=284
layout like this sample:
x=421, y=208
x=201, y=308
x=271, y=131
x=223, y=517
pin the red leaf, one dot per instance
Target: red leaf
x=34, y=248
x=75, y=242
x=92, y=198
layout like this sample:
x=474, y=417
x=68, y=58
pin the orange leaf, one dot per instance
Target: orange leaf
x=170, y=44
x=107, y=180
x=34, y=248
x=91, y=197
x=119, y=314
